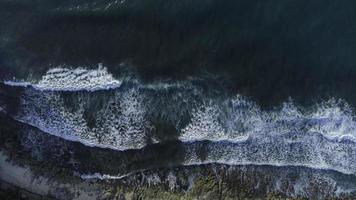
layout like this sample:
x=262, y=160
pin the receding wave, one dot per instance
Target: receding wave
x=278, y=177
x=304, y=150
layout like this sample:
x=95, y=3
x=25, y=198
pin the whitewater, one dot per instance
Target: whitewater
x=67, y=79
x=94, y=108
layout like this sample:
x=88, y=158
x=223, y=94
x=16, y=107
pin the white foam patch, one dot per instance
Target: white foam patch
x=163, y=85
x=237, y=119
x=308, y=150
x=65, y=79
x=104, y=176
x=17, y=83
x=120, y=124
x=204, y=126
x=334, y=119
x=240, y=132
x=92, y=6
x=323, y=137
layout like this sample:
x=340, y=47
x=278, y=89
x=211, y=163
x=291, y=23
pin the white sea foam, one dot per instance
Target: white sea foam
x=322, y=137
x=17, y=83
x=334, y=119
x=91, y=6
x=119, y=124
x=237, y=119
x=239, y=131
x=204, y=126
x=66, y=79
x=104, y=176
x=308, y=150
x=234, y=119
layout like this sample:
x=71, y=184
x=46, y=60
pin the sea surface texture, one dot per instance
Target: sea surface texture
x=143, y=93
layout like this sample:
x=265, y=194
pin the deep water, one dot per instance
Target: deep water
x=270, y=50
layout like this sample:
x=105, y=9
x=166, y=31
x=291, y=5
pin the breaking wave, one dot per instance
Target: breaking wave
x=65, y=79
x=119, y=124
x=237, y=119
x=212, y=126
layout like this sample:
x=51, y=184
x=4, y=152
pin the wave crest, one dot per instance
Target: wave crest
x=65, y=79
